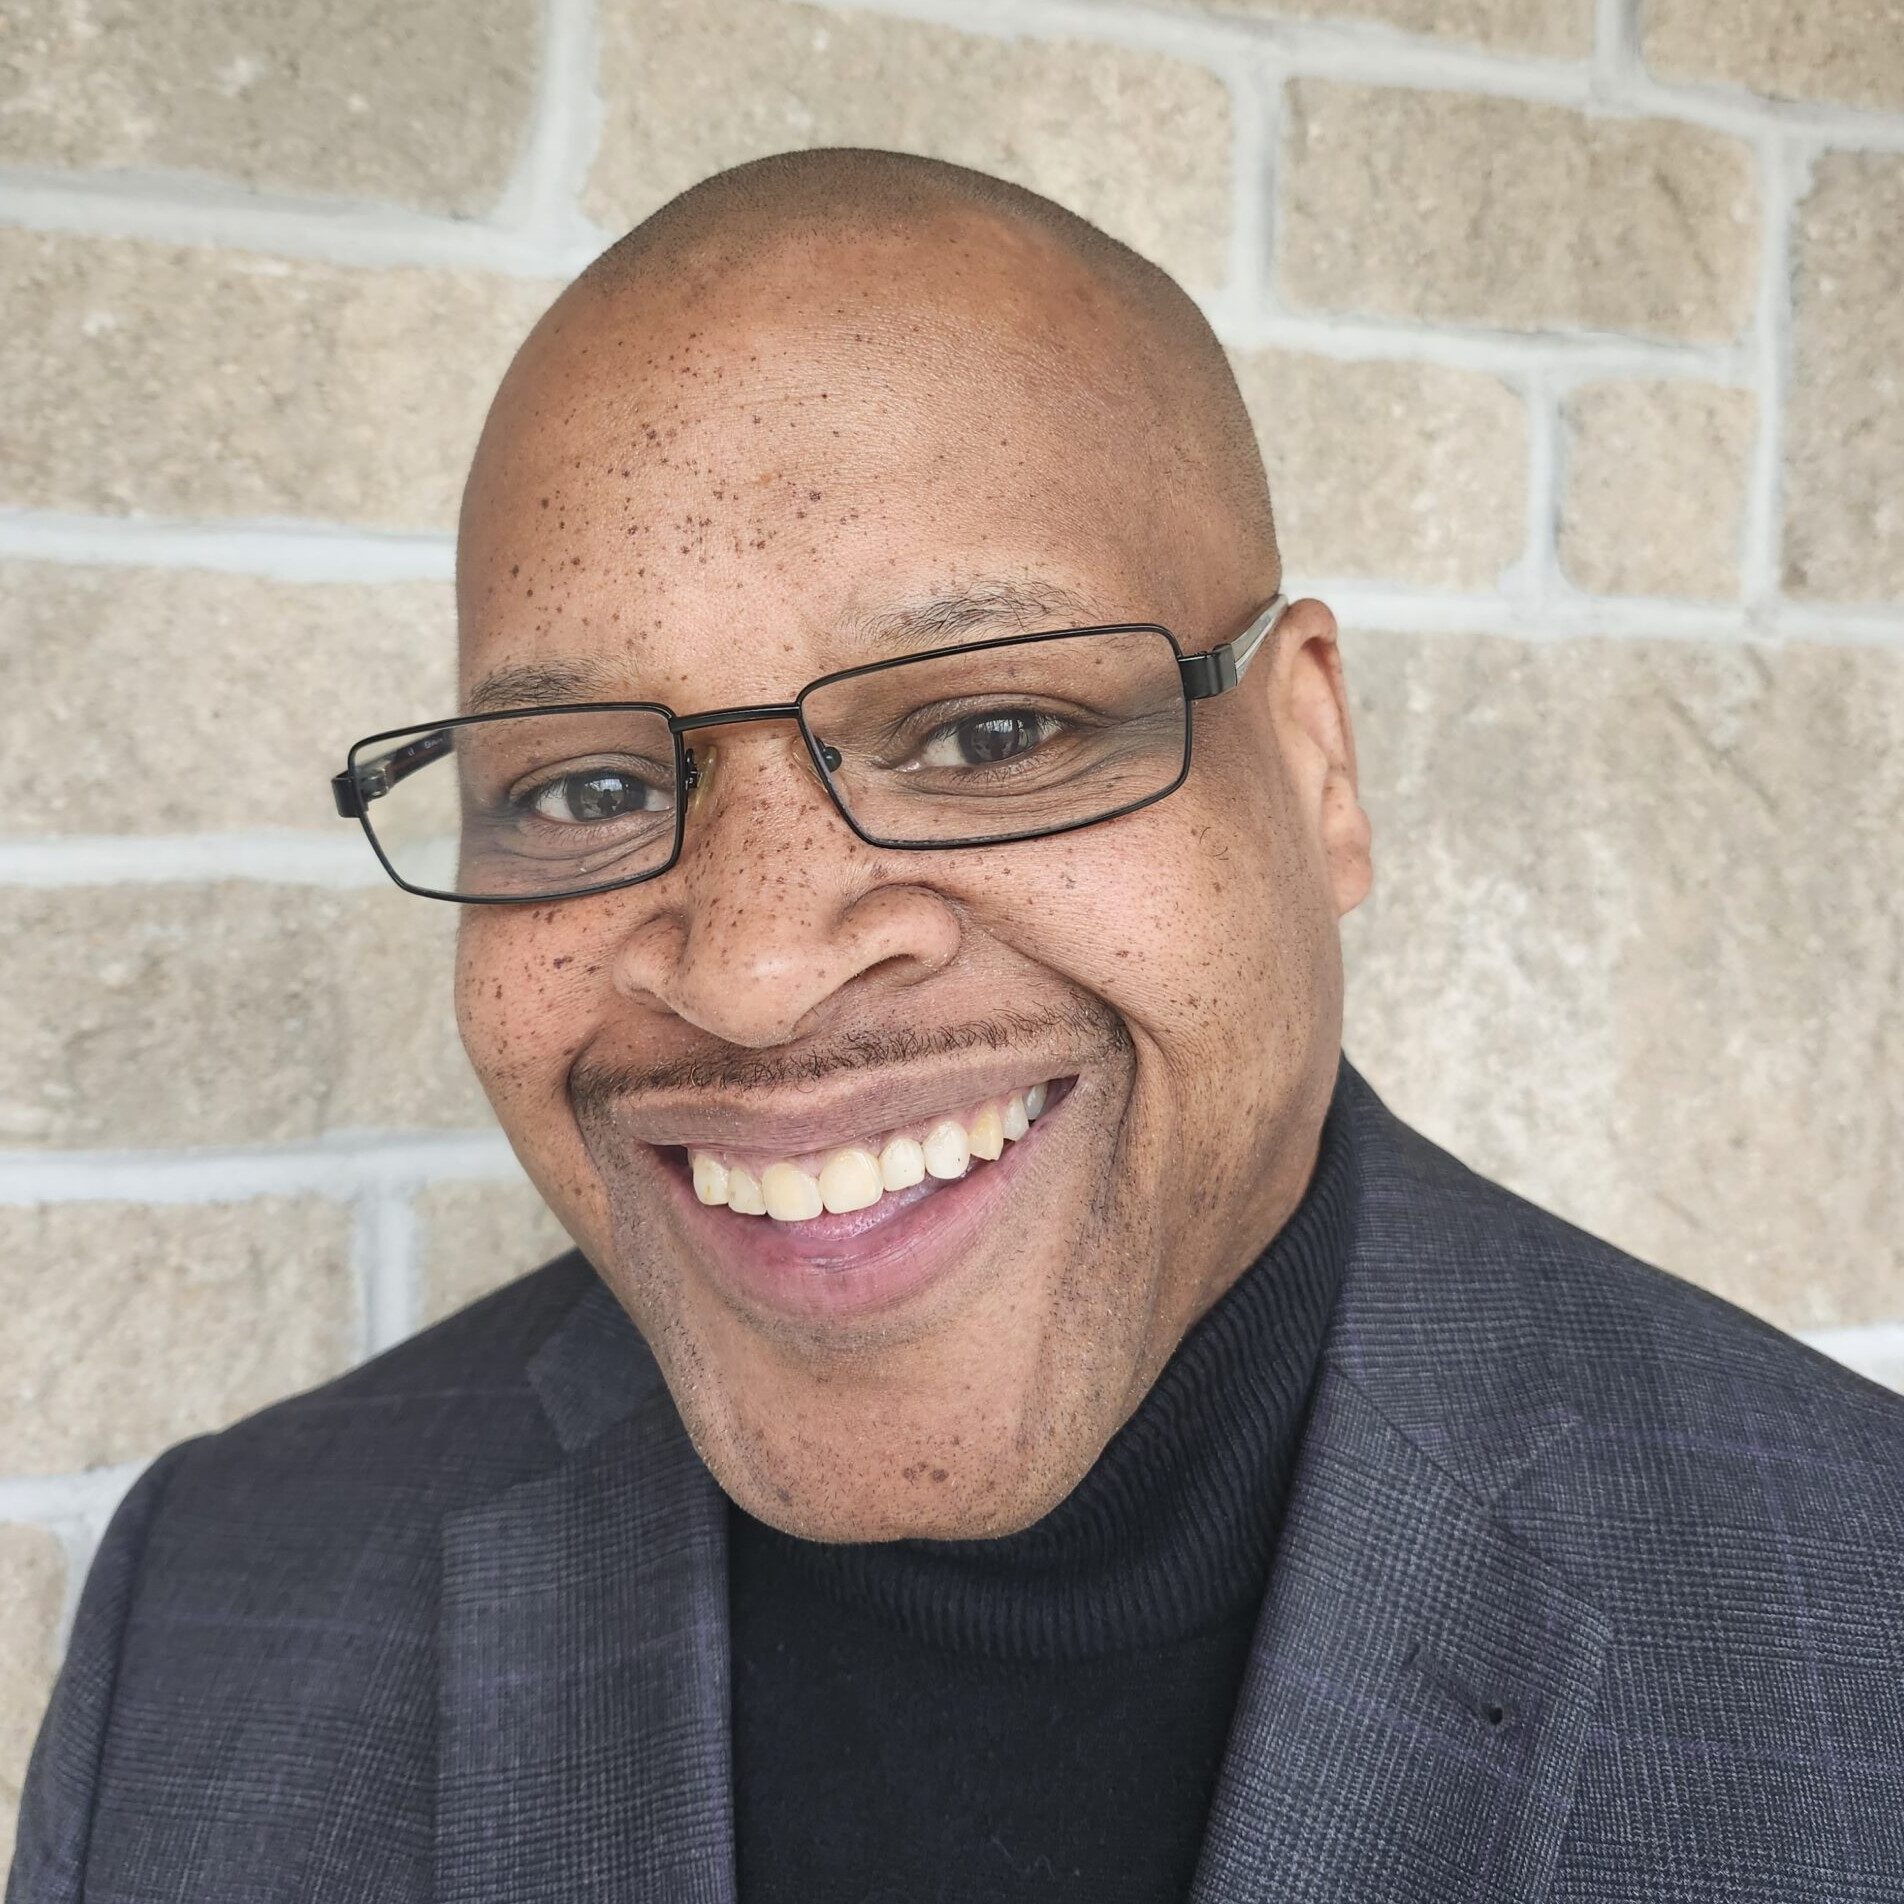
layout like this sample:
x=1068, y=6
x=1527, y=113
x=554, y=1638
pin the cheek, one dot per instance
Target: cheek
x=1171, y=915
x=523, y=990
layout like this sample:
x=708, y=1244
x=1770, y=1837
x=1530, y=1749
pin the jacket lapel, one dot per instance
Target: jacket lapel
x=1417, y=1695
x=583, y=1652
x=1419, y=1689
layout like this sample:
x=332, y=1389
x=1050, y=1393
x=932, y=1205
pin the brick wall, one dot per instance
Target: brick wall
x=1574, y=332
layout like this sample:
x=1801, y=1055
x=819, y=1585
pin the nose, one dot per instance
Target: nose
x=778, y=910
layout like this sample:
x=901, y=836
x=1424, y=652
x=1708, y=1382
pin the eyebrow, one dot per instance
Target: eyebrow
x=929, y=621
x=541, y=684
x=936, y=620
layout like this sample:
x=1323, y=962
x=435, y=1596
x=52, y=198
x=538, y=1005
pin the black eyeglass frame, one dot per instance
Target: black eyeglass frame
x=1203, y=676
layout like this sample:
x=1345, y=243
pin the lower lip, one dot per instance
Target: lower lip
x=836, y=1268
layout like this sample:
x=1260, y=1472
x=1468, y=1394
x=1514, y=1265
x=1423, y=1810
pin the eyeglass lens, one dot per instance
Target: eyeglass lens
x=984, y=744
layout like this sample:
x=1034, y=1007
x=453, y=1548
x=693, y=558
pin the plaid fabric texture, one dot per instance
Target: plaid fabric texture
x=1591, y=1588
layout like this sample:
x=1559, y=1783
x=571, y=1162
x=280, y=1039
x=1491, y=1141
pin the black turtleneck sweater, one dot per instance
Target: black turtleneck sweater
x=1039, y=1716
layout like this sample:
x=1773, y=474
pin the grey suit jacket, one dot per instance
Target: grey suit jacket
x=1591, y=1587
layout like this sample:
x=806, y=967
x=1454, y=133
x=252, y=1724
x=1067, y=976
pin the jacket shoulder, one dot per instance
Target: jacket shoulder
x=1640, y=1348
x=444, y=1416
x=1462, y=1285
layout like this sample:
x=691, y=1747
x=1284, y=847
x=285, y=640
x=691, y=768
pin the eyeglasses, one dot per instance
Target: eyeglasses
x=1012, y=739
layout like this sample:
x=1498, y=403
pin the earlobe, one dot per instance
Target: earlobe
x=1348, y=839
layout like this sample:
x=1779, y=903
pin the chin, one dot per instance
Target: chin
x=936, y=1456
x=985, y=1507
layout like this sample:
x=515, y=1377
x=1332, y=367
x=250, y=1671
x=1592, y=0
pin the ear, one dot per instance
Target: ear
x=1311, y=712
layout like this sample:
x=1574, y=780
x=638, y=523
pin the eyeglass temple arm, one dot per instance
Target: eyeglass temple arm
x=371, y=779
x=1222, y=667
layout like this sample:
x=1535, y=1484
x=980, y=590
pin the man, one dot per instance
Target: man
x=1024, y=1419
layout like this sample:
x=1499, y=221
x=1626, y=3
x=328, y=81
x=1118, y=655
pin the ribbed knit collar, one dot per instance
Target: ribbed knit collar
x=1171, y=1530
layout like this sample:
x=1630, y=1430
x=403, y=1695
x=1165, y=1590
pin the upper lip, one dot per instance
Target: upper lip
x=791, y=1122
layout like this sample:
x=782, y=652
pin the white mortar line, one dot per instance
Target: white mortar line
x=43, y=1500
x=1784, y=172
x=383, y=1253
x=339, y=862
x=1558, y=350
x=279, y=551
x=74, y=1508
x=1569, y=614
x=1249, y=288
x=1353, y=49
x=179, y=208
x=1616, y=47
x=1734, y=109
x=1872, y=1348
x=1537, y=573
x=342, y=1165
x=540, y=205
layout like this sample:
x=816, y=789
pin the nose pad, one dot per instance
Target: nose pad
x=701, y=761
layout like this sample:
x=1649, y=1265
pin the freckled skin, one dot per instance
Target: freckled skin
x=739, y=465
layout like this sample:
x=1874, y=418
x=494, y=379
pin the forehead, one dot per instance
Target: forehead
x=736, y=489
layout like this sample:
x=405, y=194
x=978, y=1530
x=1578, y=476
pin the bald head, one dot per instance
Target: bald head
x=1119, y=330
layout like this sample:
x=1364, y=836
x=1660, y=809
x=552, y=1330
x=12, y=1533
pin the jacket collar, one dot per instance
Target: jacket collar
x=584, y=1735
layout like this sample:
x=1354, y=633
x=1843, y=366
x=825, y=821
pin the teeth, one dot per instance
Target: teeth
x=849, y=1180
x=948, y=1151
x=902, y=1164
x=792, y=1196
x=854, y=1177
x=711, y=1182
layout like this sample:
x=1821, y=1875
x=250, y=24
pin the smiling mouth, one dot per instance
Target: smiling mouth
x=819, y=1213
x=859, y=1175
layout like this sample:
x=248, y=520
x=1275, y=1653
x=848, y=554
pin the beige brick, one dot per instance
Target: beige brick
x=32, y=1589
x=1557, y=27
x=1851, y=51
x=1634, y=942
x=1654, y=496
x=131, y=1326
x=1136, y=142
x=159, y=701
x=474, y=1237
x=429, y=108
x=236, y=1013
x=1408, y=472
x=1844, y=420
x=1451, y=206
x=175, y=380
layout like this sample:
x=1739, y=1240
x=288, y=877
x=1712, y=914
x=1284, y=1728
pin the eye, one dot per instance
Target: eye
x=983, y=740
x=600, y=793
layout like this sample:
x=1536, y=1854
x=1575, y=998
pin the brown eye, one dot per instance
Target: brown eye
x=985, y=739
x=604, y=794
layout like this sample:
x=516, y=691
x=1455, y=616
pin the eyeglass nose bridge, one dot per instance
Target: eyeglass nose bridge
x=829, y=757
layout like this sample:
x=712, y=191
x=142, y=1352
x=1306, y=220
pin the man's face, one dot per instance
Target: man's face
x=718, y=495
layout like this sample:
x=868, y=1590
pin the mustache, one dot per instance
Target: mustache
x=1087, y=1030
